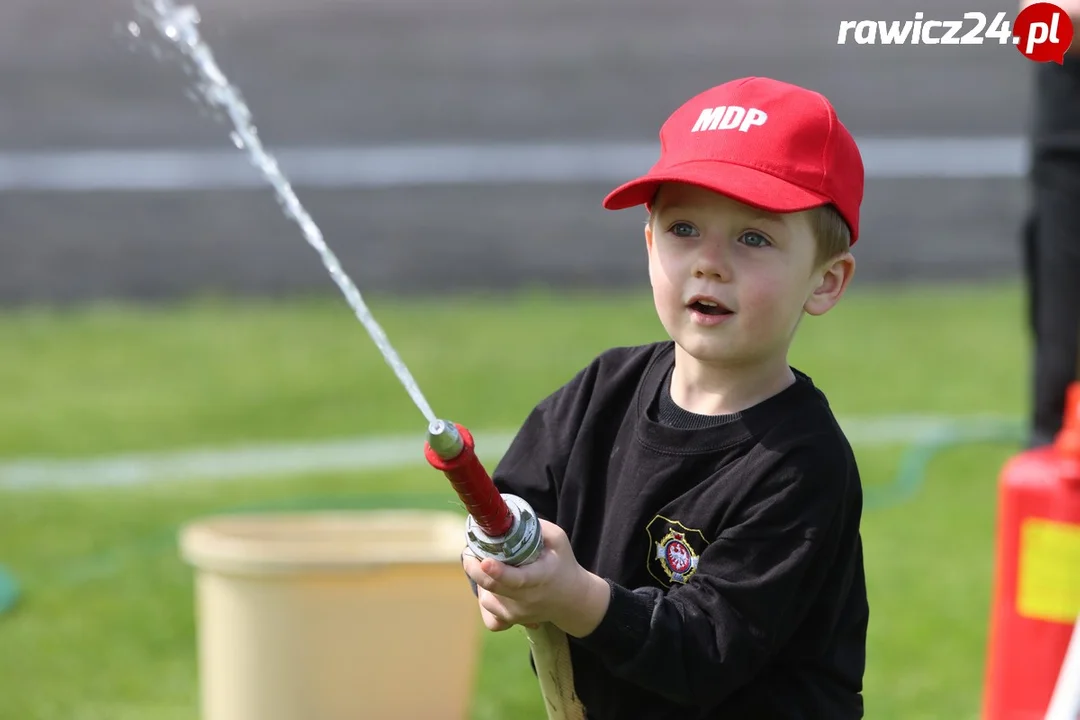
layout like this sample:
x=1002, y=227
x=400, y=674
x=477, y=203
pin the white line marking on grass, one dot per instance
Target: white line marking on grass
x=372, y=453
x=391, y=166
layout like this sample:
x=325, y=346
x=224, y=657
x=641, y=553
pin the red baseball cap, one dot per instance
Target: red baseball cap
x=765, y=143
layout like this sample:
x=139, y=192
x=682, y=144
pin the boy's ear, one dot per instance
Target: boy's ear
x=648, y=234
x=833, y=280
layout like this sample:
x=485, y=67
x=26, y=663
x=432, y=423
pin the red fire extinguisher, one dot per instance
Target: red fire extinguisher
x=1036, y=592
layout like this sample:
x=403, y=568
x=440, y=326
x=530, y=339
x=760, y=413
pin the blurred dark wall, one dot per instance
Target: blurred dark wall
x=392, y=73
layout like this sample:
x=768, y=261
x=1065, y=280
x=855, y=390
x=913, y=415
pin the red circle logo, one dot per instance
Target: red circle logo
x=1043, y=32
x=678, y=557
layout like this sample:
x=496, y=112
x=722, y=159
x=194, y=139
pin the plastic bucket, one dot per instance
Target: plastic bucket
x=333, y=616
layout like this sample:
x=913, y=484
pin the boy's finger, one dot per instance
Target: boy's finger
x=476, y=573
x=509, y=578
x=474, y=569
x=492, y=623
x=492, y=567
x=500, y=577
x=471, y=565
x=493, y=605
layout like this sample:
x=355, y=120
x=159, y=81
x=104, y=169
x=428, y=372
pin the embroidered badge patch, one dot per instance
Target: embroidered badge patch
x=674, y=550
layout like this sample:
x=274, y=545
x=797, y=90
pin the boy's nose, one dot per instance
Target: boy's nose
x=712, y=261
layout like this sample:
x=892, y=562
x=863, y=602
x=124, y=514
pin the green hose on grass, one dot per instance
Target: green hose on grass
x=906, y=483
x=917, y=457
x=9, y=591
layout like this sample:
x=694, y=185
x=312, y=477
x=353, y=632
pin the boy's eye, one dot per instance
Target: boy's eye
x=682, y=229
x=754, y=239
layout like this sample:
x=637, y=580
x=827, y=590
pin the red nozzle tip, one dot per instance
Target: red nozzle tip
x=450, y=448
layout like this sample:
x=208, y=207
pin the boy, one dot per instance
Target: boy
x=700, y=505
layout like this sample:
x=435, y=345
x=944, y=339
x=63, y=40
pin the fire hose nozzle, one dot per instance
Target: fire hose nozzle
x=445, y=440
x=500, y=526
x=450, y=448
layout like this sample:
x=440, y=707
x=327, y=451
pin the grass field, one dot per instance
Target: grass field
x=105, y=627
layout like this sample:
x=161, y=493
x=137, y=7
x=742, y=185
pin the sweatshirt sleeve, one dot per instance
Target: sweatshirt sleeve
x=755, y=582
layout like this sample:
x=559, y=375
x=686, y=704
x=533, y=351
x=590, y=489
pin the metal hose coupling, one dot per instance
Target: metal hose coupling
x=519, y=546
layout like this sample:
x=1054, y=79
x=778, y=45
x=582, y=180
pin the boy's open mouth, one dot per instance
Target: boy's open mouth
x=708, y=307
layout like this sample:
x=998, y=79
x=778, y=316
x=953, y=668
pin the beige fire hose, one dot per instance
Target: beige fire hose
x=551, y=655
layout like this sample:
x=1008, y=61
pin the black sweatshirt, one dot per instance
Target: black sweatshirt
x=731, y=544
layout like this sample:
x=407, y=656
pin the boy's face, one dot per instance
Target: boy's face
x=758, y=268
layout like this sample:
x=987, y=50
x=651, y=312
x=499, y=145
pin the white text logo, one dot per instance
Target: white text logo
x=729, y=117
x=972, y=30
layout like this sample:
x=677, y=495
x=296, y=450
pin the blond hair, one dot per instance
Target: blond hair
x=831, y=232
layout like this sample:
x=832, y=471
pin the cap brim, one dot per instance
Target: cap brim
x=747, y=185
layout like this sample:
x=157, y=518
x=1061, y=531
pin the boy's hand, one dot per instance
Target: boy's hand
x=553, y=588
